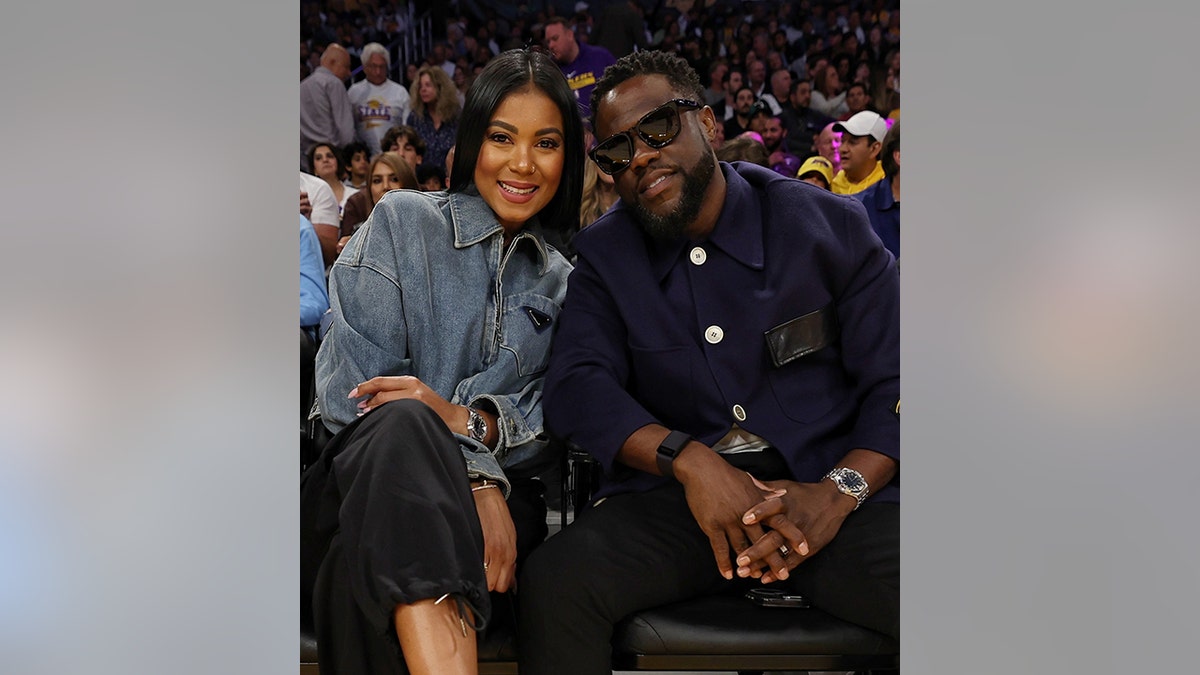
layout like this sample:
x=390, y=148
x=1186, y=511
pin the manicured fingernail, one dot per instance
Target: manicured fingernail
x=743, y=560
x=749, y=518
x=803, y=548
x=727, y=574
x=782, y=573
x=743, y=571
x=353, y=393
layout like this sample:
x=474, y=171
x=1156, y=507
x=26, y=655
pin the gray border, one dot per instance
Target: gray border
x=1048, y=338
x=148, y=489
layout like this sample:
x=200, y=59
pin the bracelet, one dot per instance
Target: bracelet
x=484, y=485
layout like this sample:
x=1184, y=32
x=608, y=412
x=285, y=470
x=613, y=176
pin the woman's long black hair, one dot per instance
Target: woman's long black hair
x=510, y=71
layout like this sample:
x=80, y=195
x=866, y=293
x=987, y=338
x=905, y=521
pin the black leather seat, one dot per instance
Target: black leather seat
x=728, y=632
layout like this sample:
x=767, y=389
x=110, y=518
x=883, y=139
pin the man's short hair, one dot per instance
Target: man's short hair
x=565, y=23
x=406, y=132
x=678, y=72
x=353, y=147
x=372, y=48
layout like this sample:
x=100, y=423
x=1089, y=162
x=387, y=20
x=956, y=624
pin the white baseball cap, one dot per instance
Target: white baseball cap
x=865, y=123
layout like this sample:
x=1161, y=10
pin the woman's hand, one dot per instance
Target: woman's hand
x=380, y=390
x=499, y=539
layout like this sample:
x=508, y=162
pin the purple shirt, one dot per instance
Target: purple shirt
x=583, y=72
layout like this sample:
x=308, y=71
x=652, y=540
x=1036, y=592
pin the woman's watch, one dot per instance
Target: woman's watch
x=477, y=427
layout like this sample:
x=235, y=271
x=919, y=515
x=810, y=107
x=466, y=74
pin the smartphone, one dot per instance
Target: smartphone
x=774, y=597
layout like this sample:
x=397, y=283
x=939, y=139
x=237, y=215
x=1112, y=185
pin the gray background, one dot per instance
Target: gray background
x=147, y=413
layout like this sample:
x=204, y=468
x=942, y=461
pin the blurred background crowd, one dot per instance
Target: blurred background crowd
x=810, y=88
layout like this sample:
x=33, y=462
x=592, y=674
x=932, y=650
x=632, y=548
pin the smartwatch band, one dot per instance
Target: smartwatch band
x=669, y=449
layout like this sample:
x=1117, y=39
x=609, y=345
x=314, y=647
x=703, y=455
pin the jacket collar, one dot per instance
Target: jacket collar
x=474, y=221
x=739, y=228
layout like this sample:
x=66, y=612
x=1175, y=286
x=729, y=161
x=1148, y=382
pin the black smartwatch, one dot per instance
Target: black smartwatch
x=669, y=449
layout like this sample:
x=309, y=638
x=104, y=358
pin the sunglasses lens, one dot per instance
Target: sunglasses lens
x=613, y=155
x=659, y=127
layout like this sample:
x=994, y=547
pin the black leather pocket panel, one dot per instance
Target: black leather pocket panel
x=803, y=335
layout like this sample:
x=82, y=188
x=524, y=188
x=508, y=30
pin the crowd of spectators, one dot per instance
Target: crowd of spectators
x=780, y=75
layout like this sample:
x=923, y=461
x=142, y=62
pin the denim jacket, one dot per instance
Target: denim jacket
x=426, y=288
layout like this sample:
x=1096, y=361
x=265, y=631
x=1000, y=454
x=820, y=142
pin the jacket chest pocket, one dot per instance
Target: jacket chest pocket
x=526, y=329
x=807, y=377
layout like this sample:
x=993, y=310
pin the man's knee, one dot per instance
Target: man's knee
x=553, y=573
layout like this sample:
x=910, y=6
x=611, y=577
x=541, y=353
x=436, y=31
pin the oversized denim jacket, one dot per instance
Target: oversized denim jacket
x=426, y=288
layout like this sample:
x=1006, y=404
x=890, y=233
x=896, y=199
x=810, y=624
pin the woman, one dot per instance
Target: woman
x=431, y=361
x=828, y=97
x=325, y=162
x=389, y=171
x=599, y=193
x=435, y=111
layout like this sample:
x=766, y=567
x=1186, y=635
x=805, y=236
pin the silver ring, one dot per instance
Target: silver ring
x=485, y=567
x=784, y=550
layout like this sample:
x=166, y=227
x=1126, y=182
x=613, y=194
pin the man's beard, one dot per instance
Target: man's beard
x=672, y=225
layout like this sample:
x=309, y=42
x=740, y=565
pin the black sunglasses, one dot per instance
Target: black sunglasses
x=657, y=129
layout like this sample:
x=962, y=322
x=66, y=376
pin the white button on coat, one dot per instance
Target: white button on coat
x=698, y=256
x=714, y=334
x=740, y=413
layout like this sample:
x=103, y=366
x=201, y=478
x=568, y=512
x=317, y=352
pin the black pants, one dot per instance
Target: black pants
x=635, y=551
x=388, y=518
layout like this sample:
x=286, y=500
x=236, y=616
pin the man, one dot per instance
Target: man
x=773, y=134
x=715, y=93
x=440, y=56
x=756, y=73
x=816, y=170
x=581, y=64
x=858, y=99
x=379, y=102
x=882, y=199
x=325, y=111
x=781, y=82
x=862, y=139
x=743, y=111
x=802, y=122
x=406, y=142
x=734, y=81
x=729, y=460
x=827, y=143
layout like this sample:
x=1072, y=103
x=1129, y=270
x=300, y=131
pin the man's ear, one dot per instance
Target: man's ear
x=708, y=119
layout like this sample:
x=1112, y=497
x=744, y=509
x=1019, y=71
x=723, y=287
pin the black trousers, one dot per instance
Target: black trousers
x=388, y=518
x=635, y=551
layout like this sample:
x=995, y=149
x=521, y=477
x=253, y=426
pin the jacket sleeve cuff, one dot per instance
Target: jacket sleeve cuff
x=484, y=465
x=513, y=429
